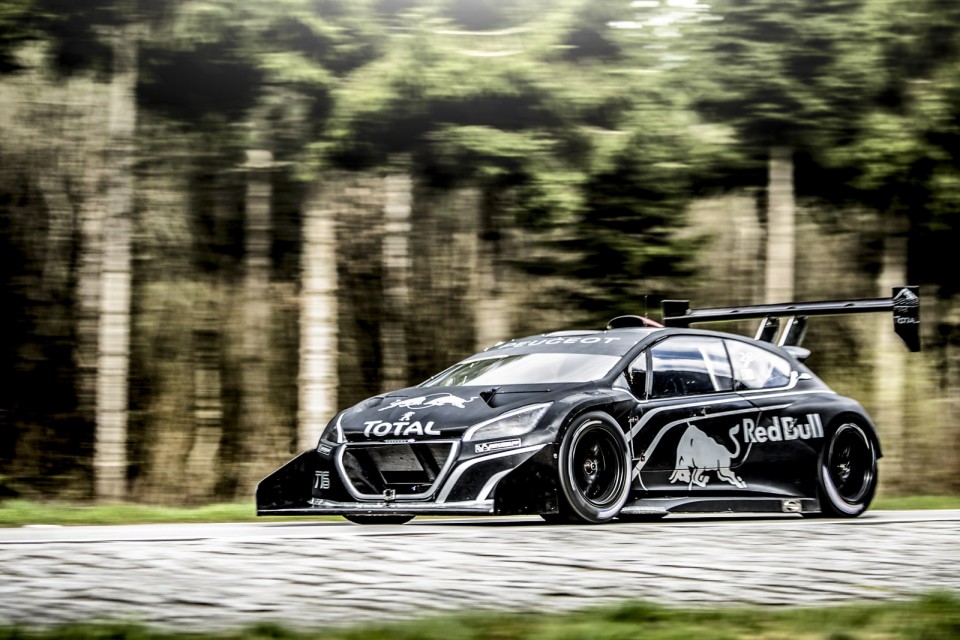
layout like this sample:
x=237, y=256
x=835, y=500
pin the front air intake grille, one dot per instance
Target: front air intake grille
x=404, y=471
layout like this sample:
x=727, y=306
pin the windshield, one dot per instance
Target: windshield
x=529, y=368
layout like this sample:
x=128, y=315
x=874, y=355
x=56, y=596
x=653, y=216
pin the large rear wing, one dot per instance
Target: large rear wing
x=904, y=303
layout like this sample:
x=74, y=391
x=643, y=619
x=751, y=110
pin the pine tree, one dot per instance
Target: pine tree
x=775, y=74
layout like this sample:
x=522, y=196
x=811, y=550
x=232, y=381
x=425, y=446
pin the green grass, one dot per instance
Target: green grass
x=17, y=513
x=916, y=502
x=932, y=617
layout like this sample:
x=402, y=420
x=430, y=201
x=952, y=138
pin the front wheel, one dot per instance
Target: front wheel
x=364, y=519
x=848, y=472
x=594, y=468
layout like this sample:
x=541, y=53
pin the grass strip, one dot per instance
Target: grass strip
x=17, y=513
x=935, y=616
x=906, y=503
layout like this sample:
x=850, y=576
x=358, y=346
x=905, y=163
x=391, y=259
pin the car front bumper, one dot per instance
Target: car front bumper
x=317, y=483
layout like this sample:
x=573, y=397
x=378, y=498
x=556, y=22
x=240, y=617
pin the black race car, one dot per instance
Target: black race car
x=635, y=421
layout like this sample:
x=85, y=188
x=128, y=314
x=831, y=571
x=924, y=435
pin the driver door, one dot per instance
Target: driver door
x=688, y=437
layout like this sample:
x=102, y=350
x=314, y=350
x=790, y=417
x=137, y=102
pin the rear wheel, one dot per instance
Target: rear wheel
x=848, y=472
x=594, y=470
x=364, y=519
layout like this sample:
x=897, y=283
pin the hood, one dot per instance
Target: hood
x=428, y=413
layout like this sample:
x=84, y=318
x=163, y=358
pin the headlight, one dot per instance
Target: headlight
x=333, y=432
x=515, y=423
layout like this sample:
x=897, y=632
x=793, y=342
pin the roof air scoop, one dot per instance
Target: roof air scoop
x=622, y=322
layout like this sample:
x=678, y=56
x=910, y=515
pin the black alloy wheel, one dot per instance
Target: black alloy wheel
x=594, y=468
x=848, y=472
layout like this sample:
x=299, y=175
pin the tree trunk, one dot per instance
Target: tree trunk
x=889, y=369
x=396, y=278
x=201, y=463
x=781, y=227
x=256, y=314
x=318, y=319
x=490, y=300
x=113, y=353
x=89, y=286
x=443, y=256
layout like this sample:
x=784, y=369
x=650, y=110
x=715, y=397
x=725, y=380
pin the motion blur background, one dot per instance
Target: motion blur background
x=222, y=220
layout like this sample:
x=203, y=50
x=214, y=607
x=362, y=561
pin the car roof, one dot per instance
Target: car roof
x=612, y=342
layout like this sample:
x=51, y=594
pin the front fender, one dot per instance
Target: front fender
x=531, y=487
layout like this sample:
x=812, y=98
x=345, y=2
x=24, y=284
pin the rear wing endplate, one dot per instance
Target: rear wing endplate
x=904, y=303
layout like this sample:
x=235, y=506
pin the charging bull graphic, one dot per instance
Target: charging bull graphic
x=698, y=453
x=432, y=400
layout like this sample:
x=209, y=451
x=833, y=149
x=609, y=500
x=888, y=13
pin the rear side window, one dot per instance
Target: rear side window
x=756, y=368
x=689, y=366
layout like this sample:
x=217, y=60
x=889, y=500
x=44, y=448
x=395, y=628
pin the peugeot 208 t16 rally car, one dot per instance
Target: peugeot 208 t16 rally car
x=634, y=421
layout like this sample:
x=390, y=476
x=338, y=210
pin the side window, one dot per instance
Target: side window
x=718, y=365
x=689, y=366
x=637, y=376
x=756, y=368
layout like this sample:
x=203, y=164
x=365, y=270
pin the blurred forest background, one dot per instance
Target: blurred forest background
x=222, y=220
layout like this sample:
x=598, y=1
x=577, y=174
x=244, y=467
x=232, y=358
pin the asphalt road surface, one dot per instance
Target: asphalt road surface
x=222, y=576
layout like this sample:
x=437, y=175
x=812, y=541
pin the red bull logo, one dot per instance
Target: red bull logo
x=432, y=400
x=698, y=453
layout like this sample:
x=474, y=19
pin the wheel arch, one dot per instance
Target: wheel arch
x=534, y=486
x=836, y=409
x=573, y=417
x=614, y=407
x=861, y=418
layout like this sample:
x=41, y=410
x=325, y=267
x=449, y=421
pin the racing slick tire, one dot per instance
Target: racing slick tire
x=594, y=471
x=364, y=519
x=848, y=472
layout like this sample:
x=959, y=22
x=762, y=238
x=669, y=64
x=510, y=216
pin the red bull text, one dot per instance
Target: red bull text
x=783, y=428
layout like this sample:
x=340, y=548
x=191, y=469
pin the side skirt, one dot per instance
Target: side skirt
x=663, y=506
